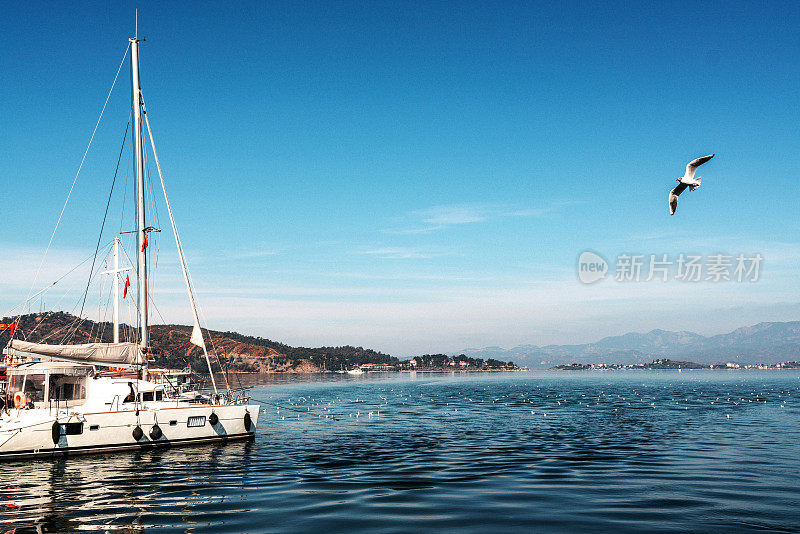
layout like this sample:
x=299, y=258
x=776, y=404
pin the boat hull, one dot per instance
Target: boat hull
x=30, y=436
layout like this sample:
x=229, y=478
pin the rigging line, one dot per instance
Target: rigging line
x=153, y=304
x=211, y=339
x=47, y=289
x=135, y=304
x=178, y=245
x=102, y=321
x=23, y=303
x=97, y=324
x=79, y=319
x=105, y=216
x=75, y=180
x=104, y=310
x=153, y=204
x=134, y=161
x=227, y=366
x=155, y=246
x=103, y=317
x=125, y=187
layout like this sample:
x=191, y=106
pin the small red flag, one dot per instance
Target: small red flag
x=144, y=243
x=127, y=285
x=11, y=327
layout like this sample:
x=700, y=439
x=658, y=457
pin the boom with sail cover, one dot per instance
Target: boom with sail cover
x=106, y=353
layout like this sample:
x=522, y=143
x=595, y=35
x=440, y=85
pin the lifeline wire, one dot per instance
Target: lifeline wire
x=75, y=180
x=105, y=216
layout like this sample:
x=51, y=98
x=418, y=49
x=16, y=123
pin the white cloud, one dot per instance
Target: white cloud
x=450, y=215
x=419, y=312
x=413, y=231
x=440, y=217
x=396, y=253
x=254, y=254
x=455, y=317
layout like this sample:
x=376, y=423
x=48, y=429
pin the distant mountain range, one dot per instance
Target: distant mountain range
x=761, y=343
x=768, y=343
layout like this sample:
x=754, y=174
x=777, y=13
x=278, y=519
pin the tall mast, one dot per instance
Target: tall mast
x=116, y=290
x=136, y=103
x=116, y=272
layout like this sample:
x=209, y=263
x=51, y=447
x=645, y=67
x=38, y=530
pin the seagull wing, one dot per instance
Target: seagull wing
x=692, y=166
x=673, y=197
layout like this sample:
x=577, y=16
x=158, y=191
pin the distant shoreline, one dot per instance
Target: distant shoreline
x=672, y=365
x=397, y=371
x=679, y=369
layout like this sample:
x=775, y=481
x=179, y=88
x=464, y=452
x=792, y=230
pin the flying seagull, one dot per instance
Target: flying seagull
x=687, y=180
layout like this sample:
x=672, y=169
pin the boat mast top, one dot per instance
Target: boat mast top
x=116, y=272
x=141, y=232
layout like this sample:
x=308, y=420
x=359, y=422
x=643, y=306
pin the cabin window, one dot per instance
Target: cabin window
x=173, y=423
x=71, y=429
x=94, y=427
x=66, y=388
x=147, y=396
x=159, y=395
x=198, y=420
x=16, y=383
x=34, y=388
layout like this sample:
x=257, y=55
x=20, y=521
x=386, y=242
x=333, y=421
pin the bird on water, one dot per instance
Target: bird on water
x=687, y=180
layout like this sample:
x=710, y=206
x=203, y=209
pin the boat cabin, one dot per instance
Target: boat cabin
x=175, y=381
x=147, y=393
x=48, y=384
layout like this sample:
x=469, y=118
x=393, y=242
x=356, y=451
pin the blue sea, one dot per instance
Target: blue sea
x=701, y=451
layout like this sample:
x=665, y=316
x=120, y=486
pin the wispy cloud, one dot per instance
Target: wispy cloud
x=442, y=318
x=540, y=211
x=396, y=253
x=450, y=215
x=417, y=230
x=440, y=217
x=254, y=254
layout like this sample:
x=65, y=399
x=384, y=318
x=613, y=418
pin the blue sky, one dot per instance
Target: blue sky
x=415, y=177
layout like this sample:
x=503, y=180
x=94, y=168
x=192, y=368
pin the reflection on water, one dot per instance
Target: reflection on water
x=514, y=452
x=122, y=491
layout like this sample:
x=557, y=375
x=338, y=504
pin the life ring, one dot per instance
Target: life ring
x=20, y=401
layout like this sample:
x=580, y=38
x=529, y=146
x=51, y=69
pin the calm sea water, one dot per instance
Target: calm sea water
x=542, y=451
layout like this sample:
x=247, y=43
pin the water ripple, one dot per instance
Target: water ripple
x=655, y=452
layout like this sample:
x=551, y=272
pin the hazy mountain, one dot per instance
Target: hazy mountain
x=761, y=343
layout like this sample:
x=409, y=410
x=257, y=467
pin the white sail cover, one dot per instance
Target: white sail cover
x=111, y=353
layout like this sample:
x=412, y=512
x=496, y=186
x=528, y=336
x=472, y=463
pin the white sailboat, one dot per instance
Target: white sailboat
x=63, y=403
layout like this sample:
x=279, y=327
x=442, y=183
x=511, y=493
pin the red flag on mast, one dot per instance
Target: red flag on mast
x=127, y=285
x=144, y=243
x=11, y=327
